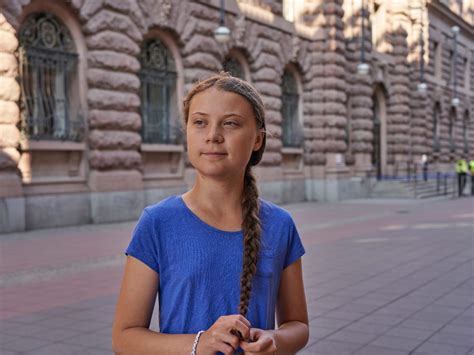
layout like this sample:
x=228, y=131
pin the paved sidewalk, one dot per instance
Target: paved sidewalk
x=381, y=277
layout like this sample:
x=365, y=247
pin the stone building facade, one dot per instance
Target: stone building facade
x=90, y=94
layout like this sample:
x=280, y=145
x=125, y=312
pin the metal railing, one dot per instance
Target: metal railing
x=418, y=176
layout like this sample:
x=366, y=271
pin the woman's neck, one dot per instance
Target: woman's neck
x=218, y=203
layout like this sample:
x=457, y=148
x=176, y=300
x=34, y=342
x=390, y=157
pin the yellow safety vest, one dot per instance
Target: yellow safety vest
x=471, y=166
x=461, y=166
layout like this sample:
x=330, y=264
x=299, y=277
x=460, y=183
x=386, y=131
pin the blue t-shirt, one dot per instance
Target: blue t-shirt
x=200, y=266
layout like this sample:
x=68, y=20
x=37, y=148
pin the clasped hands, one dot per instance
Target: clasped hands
x=230, y=332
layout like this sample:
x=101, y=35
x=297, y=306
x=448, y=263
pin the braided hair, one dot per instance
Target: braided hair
x=251, y=225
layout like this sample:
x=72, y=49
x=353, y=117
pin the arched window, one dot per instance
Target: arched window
x=233, y=66
x=292, y=132
x=452, y=119
x=160, y=123
x=436, y=127
x=465, y=126
x=48, y=70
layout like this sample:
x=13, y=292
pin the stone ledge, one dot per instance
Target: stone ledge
x=27, y=145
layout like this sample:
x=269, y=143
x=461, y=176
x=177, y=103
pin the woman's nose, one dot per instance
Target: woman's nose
x=214, y=135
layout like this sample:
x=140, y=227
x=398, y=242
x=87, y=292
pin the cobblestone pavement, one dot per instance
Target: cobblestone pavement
x=381, y=277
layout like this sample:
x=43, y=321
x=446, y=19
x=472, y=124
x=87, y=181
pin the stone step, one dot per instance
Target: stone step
x=406, y=189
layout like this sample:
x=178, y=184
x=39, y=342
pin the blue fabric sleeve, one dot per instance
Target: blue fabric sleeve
x=144, y=243
x=295, y=248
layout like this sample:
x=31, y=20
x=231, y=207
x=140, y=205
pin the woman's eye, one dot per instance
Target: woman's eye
x=198, y=122
x=231, y=124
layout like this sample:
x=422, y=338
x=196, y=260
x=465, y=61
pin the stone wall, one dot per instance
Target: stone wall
x=323, y=49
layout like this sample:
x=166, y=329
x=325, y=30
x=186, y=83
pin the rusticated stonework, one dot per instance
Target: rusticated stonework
x=9, y=95
x=321, y=44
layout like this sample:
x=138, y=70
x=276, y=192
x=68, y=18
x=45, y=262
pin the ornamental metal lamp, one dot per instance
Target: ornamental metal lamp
x=222, y=33
x=362, y=67
x=422, y=86
x=455, y=100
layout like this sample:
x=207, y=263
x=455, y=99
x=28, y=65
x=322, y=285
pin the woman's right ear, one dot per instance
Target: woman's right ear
x=259, y=140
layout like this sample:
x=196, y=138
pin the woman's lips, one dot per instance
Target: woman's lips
x=214, y=155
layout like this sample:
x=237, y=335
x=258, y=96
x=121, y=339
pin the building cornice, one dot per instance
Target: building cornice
x=452, y=18
x=267, y=18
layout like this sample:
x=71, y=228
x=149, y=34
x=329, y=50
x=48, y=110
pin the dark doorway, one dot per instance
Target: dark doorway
x=376, y=144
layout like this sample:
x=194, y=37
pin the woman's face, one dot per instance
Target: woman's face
x=221, y=133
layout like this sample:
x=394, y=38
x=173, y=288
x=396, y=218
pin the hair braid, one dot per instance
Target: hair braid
x=251, y=230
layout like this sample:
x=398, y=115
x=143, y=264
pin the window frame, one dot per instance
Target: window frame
x=150, y=76
x=296, y=137
x=47, y=60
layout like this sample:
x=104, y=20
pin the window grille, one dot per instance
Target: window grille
x=292, y=132
x=48, y=73
x=158, y=93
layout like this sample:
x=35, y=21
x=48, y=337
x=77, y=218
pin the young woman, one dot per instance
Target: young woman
x=221, y=260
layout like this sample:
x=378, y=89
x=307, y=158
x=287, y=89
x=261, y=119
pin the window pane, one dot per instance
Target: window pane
x=158, y=80
x=233, y=66
x=292, y=132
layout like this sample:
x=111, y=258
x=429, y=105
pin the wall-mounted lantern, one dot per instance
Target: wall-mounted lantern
x=222, y=33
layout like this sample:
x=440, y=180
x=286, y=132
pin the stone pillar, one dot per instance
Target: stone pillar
x=267, y=80
x=360, y=88
x=12, y=208
x=113, y=104
x=201, y=53
x=314, y=158
x=419, y=128
x=398, y=113
x=314, y=125
x=9, y=111
x=334, y=85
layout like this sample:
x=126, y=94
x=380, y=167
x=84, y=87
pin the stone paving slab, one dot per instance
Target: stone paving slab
x=381, y=277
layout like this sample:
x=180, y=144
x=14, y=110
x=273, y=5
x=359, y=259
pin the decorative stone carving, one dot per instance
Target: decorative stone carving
x=239, y=31
x=296, y=46
x=157, y=12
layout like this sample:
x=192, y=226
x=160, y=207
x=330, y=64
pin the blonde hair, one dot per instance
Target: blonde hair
x=251, y=225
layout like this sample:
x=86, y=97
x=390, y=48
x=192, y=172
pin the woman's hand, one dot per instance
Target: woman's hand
x=263, y=343
x=219, y=338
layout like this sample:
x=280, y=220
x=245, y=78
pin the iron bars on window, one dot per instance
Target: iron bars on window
x=48, y=65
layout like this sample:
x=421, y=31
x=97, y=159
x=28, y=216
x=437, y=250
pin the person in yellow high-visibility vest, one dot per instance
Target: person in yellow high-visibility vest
x=461, y=171
x=471, y=170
